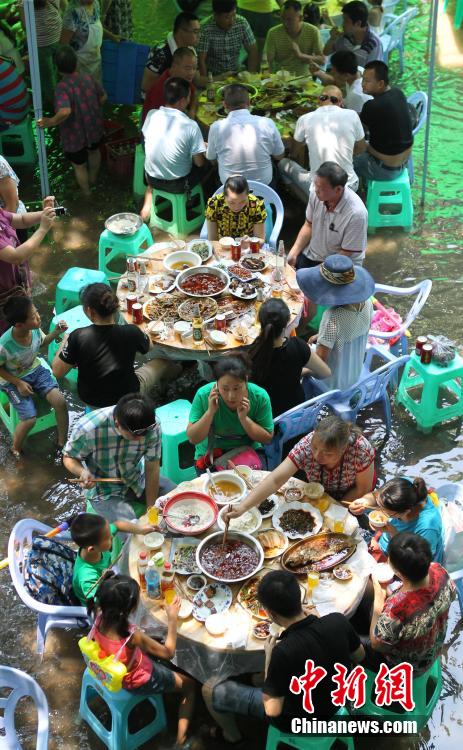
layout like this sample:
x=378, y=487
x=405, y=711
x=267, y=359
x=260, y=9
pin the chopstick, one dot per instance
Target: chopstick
x=245, y=479
x=225, y=531
x=74, y=480
x=182, y=589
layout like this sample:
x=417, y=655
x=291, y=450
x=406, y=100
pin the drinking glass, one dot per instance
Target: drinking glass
x=313, y=577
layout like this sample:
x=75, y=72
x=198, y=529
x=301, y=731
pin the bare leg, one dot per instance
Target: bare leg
x=57, y=401
x=226, y=722
x=20, y=433
x=94, y=163
x=186, y=687
x=145, y=212
x=81, y=173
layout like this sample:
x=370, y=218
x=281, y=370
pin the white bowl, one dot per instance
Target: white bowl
x=182, y=256
x=383, y=573
x=154, y=540
x=217, y=624
x=377, y=524
x=252, y=515
x=240, y=536
x=229, y=476
x=186, y=608
x=226, y=243
x=219, y=338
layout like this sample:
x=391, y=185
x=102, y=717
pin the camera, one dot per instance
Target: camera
x=61, y=211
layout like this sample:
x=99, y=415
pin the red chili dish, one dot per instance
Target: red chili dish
x=203, y=283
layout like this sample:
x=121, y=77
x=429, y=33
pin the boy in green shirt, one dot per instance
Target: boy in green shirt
x=94, y=537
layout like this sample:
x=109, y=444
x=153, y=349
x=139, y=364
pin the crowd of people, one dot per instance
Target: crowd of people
x=361, y=129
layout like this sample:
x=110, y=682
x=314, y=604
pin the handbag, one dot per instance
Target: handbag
x=243, y=456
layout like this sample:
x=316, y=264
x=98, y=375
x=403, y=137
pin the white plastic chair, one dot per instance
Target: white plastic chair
x=419, y=100
x=21, y=685
x=48, y=615
x=422, y=291
x=270, y=197
x=393, y=36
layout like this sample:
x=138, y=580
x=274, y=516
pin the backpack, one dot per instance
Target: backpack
x=48, y=569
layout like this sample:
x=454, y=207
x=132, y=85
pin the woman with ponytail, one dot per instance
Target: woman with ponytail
x=104, y=353
x=278, y=362
x=408, y=506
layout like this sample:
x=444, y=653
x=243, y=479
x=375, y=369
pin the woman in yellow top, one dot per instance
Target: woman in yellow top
x=236, y=212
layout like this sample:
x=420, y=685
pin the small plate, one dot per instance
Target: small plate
x=154, y=280
x=257, y=256
x=213, y=598
x=238, y=290
x=202, y=253
x=155, y=540
x=342, y=573
x=235, y=273
x=186, y=608
x=271, y=552
x=217, y=624
x=253, y=515
x=177, y=559
x=307, y=508
x=261, y=631
x=269, y=513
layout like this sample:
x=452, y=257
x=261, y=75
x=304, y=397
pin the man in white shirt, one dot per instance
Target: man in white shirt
x=174, y=145
x=331, y=133
x=345, y=73
x=243, y=143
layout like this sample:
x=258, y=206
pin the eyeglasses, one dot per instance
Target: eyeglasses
x=325, y=97
x=139, y=433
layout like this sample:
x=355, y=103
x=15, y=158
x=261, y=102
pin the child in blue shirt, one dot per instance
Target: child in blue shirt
x=22, y=375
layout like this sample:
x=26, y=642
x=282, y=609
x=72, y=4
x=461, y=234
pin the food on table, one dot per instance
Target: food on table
x=262, y=629
x=155, y=540
x=241, y=272
x=155, y=328
x=295, y=521
x=378, y=518
x=207, y=308
x=267, y=506
x=314, y=490
x=272, y=541
x=319, y=553
x=225, y=490
x=200, y=248
x=247, y=597
x=216, y=624
x=214, y=598
x=242, y=289
x=164, y=307
x=196, y=582
x=253, y=263
x=233, y=561
x=161, y=282
x=342, y=573
x=185, y=558
x=190, y=514
x=230, y=306
x=203, y=283
x=181, y=265
x=293, y=494
x=248, y=522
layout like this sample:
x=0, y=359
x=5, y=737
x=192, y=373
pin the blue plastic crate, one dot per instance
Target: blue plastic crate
x=123, y=66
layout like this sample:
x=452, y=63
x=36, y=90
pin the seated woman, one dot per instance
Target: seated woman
x=104, y=353
x=235, y=212
x=410, y=625
x=409, y=508
x=229, y=413
x=336, y=454
x=342, y=338
x=278, y=362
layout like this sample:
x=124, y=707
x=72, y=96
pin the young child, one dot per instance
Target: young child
x=94, y=537
x=22, y=373
x=116, y=599
x=79, y=115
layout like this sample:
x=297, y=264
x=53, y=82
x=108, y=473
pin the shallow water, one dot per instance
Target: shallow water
x=36, y=489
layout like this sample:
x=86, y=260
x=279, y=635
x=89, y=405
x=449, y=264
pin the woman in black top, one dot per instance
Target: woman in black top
x=278, y=362
x=104, y=353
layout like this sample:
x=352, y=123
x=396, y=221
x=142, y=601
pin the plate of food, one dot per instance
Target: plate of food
x=243, y=332
x=230, y=306
x=163, y=307
x=123, y=224
x=213, y=598
x=297, y=520
x=240, y=558
x=261, y=630
x=203, y=248
x=241, y=273
x=183, y=555
x=342, y=573
x=190, y=512
x=273, y=542
x=269, y=506
x=160, y=283
x=241, y=289
x=321, y=552
x=256, y=262
x=206, y=281
x=247, y=597
x=207, y=307
x=249, y=522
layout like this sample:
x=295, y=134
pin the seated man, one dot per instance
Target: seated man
x=346, y=74
x=326, y=640
x=294, y=44
x=388, y=121
x=410, y=625
x=222, y=38
x=357, y=35
x=331, y=133
x=174, y=145
x=185, y=34
x=336, y=221
x=184, y=65
x=243, y=143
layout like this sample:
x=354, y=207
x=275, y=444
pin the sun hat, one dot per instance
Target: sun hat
x=336, y=281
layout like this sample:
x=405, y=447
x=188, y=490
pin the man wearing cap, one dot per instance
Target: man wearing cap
x=336, y=221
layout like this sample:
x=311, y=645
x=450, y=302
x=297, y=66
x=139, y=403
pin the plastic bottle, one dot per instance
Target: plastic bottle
x=142, y=566
x=167, y=583
x=153, y=577
x=132, y=276
x=197, y=326
x=210, y=91
x=281, y=256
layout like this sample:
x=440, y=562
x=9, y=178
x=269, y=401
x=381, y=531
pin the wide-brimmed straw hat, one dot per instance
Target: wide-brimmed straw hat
x=336, y=281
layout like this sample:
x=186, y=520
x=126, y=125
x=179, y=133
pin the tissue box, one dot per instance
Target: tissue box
x=336, y=517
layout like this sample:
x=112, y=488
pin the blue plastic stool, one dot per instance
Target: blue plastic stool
x=394, y=192
x=139, y=186
x=71, y=283
x=174, y=418
x=431, y=379
x=308, y=742
x=178, y=222
x=10, y=418
x=75, y=318
x=120, y=704
x=17, y=143
x=112, y=246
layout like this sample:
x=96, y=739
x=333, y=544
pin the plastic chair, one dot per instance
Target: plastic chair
x=419, y=100
x=271, y=199
x=458, y=20
x=453, y=541
x=396, y=192
x=299, y=420
x=371, y=387
x=426, y=691
x=181, y=219
x=138, y=185
x=21, y=685
x=46, y=418
x=71, y=283
x=424, y=391
x=397, y=338
x=393, y=36
x=75, y=318
x=112, y=246
x=174, y=418
x=120, y=705
x=17, y=143
x=307, y=742
x=48, y=615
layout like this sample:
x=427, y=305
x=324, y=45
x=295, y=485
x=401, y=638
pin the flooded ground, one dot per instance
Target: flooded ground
x=433, y=250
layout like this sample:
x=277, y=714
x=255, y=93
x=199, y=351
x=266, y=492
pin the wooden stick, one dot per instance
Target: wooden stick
x=225, y=531
x=75, y=480
x=245, y=479
x=182, y=589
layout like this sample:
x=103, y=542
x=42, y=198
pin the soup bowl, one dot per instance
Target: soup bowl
x=232, y=486
x=180, y=260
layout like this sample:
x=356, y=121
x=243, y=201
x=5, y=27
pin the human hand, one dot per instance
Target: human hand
x=292, y=258
x=86, y=479
x=147, y=528
x=313, y=339
x=269, y=644
x=213, y=400
x=379, y=592
x=47, y=218
x=235, y=512
x=314, y=67
x=61, y=327
x=296, y=49
x=173, y=609
x=357, y=507
x=243, y=408
x=49, y=202
x=43, y=122
x=24, y=388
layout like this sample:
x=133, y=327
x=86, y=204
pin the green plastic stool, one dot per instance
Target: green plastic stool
x=426, y=691
x=112, y=246
x=308, y=742
x=174, y=418
x=71, y=283
x=317, y=318
x=430, y=382
x=178, y=224
x=9, y=416
x=138, y=185
x=75, y=318
x=17, y=144
x=458, y=20
x=395, y=192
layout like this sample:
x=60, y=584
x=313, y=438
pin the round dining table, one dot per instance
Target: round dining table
x=238, y=651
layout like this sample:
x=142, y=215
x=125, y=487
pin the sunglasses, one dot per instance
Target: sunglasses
x=325, y=97
x=139, y=433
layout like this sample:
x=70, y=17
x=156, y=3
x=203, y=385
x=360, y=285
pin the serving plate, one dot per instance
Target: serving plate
x=213, y=598
x=183, y=567
x=203, y=255
x=325, y=564
x=192, y=503
x=297, y=506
